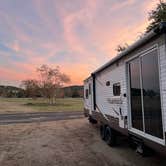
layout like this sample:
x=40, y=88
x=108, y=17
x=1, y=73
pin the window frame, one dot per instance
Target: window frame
x=86, y=93
x=116, y=92
x=89, y=88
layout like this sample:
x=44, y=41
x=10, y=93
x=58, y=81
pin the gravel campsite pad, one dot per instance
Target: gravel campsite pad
x=64, y=143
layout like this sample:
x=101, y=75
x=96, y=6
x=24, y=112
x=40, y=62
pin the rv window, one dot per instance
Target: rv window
x=116, y=89
x=89, y=88
x=108, y=83
x=86, y=93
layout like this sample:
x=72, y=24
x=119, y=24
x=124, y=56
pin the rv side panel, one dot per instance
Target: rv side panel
x=108, y=103
x=88, y=96
x=162, y=62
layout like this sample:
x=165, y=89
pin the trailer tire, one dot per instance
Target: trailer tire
x=110, y=136
x=102, y=132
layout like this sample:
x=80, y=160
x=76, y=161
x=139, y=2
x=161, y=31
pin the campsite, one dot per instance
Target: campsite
x=64, y=143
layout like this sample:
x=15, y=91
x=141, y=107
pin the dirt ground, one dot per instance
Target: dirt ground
x=64, y=143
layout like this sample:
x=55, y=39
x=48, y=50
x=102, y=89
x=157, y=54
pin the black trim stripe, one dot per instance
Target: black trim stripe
x=94, y=92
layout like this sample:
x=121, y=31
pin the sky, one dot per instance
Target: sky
x=76, y=35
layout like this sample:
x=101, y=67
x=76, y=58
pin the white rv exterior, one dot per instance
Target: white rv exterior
x=88, y=96
x=128, y=94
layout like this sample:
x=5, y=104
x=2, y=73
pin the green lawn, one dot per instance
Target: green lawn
x=8, y=105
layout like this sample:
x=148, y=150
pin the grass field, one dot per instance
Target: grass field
x=12, y=105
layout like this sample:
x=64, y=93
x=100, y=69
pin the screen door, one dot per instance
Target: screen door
x=145, y=94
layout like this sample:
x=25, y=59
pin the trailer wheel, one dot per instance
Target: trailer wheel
x=110, y=136
x=102, y=132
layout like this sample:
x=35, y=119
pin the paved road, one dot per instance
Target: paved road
x=38, y=117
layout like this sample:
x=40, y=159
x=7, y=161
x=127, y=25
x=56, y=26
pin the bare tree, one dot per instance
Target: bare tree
x=50, y=80
x=31, y=87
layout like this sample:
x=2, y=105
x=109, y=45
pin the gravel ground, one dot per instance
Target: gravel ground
x=64, y=143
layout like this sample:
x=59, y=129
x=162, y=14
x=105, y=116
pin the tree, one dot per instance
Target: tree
x=31, y=88
x=51, y=79
x=157, y=15
x=121, y=48
x=75, y=94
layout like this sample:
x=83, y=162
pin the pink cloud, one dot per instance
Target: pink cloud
x=149, y=5
x=8, y=74
x=106, y=25
x=121, y=5
x=70, y=20
x=15, y=46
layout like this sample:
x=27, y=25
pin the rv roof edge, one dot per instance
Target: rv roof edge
x=87, y=79
x=157, y=31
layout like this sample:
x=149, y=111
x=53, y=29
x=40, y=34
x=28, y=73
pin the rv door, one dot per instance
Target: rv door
x=145, y=102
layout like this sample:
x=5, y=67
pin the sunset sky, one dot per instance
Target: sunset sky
x=77, y=35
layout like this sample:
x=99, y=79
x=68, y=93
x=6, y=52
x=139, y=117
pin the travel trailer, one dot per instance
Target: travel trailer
x=127, y=95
